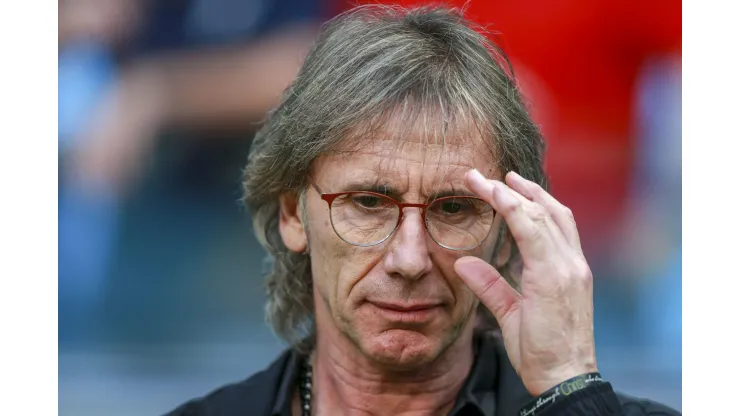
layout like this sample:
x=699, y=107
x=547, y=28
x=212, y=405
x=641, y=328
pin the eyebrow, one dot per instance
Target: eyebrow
x=454, y=192
x=372, y=186
x=393, y=192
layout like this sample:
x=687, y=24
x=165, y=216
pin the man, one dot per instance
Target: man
x=399, y=189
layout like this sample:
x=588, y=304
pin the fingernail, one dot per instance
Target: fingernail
x=475, y=174
x=517, y=177
x=477, y=180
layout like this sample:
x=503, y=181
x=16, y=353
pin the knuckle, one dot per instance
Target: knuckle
x=569, y=214
x=582, y=271
x=539, y=213
x=566, y=274
x=509, y=205
x=537, y=237
x=488, y=287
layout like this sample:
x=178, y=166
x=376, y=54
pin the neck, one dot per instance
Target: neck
x=348, y=382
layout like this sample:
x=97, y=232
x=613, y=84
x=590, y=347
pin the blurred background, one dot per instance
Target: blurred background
x=160, y=291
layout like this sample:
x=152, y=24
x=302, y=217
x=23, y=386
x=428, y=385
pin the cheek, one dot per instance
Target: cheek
x=338, y=267
x=353, y=283
x=326, y=257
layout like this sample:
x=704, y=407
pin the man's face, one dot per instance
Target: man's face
x=400, y=302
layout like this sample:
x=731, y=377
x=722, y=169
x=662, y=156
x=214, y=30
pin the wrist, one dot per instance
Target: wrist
x=558, y=375
x=560, y=392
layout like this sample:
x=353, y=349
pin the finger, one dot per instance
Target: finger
x=531, y=237
x=548, y=231
x=561, y=215
x=489, y=286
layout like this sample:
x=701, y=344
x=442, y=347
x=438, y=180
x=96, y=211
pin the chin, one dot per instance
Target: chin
x=403, y=345
x=404, y=349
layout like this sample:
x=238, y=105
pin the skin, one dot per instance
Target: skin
x=548, y=327
x=370, y=360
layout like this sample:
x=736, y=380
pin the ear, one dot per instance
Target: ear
x=291, y=223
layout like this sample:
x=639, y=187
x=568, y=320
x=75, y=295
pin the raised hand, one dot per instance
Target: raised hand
x=548, y=327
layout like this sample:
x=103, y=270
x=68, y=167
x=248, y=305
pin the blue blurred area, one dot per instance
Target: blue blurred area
x=159, y=293
x=187, y=24
x=87, y=223
x=85, y=72
x=182, y=306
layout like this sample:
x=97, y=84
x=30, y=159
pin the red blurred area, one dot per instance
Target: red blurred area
x=577, y=62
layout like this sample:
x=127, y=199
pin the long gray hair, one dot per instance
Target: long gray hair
x=367, y=63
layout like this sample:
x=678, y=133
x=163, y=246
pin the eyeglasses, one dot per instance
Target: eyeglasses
x=366, y=219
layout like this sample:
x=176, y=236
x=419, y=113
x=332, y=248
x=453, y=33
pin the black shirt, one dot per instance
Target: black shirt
x=492, y=389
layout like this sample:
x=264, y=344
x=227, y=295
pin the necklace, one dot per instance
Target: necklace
x=304, y=387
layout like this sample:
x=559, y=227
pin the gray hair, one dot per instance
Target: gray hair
x=365, y=65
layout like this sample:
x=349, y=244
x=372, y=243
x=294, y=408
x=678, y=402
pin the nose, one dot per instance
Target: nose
x=408, y=251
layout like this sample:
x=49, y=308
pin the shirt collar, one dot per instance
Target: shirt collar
x=284, y=399
x=477, y=396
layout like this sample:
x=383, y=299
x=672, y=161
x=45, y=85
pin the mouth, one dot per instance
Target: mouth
x=405, y=308
x=417, y=312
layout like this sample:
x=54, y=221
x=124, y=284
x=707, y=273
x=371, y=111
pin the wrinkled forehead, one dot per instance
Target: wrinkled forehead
x=427, y=148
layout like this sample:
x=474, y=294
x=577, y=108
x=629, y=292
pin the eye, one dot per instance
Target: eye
x=451, y=207
x=454, y=206
x=367, y=201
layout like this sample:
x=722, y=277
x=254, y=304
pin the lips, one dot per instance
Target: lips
x=404, y=314
x=416, y=307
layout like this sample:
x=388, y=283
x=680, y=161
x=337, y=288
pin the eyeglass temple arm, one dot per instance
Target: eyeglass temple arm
x=311, y=181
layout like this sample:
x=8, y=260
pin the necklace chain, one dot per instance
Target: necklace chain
x=305, y=387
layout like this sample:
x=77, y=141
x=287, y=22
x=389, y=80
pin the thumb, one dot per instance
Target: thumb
x=489, y=286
